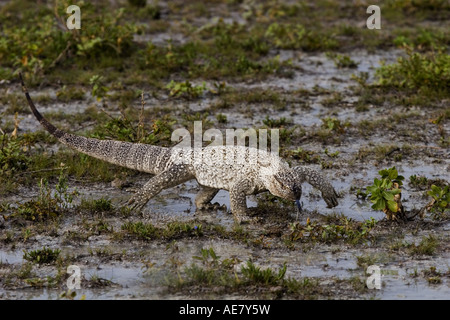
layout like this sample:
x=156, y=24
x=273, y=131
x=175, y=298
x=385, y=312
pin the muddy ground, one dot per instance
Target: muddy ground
x=118, y=264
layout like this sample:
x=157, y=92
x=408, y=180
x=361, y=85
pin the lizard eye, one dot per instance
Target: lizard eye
x=282, y=181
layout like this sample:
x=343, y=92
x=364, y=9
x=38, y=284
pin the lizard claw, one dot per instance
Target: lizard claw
x=247, y=220
x=211, y=207
x=136, y=204
x=244, y=218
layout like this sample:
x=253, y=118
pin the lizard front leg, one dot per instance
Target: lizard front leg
x=204, y=197
x=238, y=200
x=169, y=178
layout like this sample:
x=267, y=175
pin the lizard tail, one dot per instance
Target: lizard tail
x=136, y=156
x=44, y=122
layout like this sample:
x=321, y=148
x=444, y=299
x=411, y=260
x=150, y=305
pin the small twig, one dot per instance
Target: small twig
x=104, y=111
x=35, y=171
x=141, y=118
x=61, y=55
x=16, y=125
x=85, y=126
x=427, y=207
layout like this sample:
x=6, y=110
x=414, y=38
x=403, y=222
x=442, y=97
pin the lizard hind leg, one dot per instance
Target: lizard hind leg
x=171, y=177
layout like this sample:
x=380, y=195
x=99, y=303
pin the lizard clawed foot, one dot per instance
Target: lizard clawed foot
x=211, y=207
x=245, y=218
x=330, y=196
x=136, y=203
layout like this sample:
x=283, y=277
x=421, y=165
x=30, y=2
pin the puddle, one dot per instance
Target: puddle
x=135, y=280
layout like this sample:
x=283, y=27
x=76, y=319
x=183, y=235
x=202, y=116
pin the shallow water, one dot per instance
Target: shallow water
x=134, y=280
x=130, y=274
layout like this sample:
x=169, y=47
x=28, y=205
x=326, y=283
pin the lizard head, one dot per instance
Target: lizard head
x=287, y=187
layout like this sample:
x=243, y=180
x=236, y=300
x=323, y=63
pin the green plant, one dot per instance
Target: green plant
x=124, y=129
x=45, y=206
x=429, y=73
x=32, y=42
x=276, y=123
x=343, y=229
x=424, y=39
x=220, y=88
x=148, y=231
x=221, y=118
x=361, y=79
x=419, y=182
x=176, y=229
x=342, y=61
x=48, y=204
x=392, y=175
x=186, y=89
x=296, y=36
x=386, y=195
x=96, y=205
x=256, y=275
x=306, y=155
x=99, y=90
x=107, y=38
x=66, y=94
x=331, y=155
x=63, y=197
x=208, y=257
x=145, y=231
x=42, y=256
x=286, y=36
x=211, y=271
x=427, y=246
x=12, y=155
x=334, y=125
x=440, y=200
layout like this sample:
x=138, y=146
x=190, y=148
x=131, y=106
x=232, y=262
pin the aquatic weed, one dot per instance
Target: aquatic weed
x=42, y=256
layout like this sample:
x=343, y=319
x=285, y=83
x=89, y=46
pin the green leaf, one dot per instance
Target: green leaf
x=371, y=189
x=388, y=196
x=393, y=173
x=383, y=173
x=379, y=205
x=392, y=206
x=388, y=184
x=435, y=189
x=377, y=182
